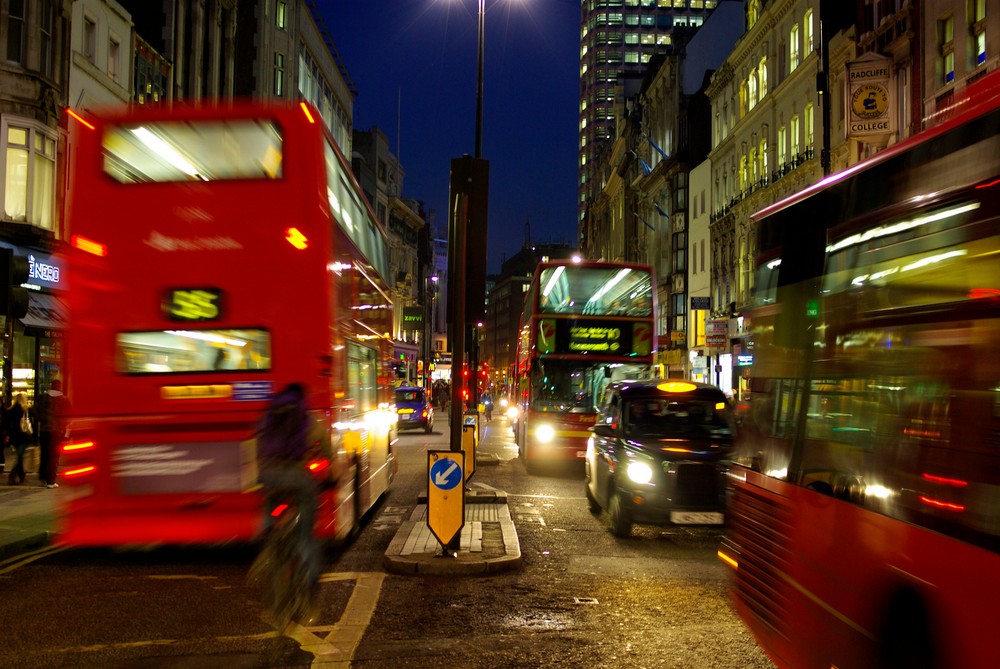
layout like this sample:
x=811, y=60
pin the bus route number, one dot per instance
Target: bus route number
x=200, y=304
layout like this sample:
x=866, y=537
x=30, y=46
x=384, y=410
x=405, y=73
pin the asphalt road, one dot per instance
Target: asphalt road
x=583, y=598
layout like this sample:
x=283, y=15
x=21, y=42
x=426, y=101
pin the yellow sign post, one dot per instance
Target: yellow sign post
x=445, y=494
x=470, y=441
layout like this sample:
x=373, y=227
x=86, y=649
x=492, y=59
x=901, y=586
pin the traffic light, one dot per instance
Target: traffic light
x=14, y=271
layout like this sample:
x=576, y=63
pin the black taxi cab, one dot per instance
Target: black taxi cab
x=659, y=454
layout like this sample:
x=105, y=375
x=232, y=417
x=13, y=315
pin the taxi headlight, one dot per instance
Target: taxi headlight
x=545, y=433
x=512, y=413
x=640, y=472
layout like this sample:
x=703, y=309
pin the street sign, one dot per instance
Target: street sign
x=701, y=303
x=445, y=494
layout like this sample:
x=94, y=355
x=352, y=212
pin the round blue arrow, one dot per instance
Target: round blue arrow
x=446, y=474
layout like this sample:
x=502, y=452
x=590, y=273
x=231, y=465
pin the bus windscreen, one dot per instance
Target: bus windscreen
x=615, y=291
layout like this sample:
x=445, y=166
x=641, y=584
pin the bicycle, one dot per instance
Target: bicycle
x=279, y=569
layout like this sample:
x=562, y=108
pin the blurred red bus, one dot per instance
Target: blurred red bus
x=865, y=512
x=218, y=253
x=584, y=325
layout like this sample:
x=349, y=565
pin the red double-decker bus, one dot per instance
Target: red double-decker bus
x=864, y=524
x=218, y=253
x=584, y=325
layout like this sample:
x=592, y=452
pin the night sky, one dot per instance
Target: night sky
x=414, y=65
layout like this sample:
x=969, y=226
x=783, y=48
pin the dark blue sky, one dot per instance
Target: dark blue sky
x=414, y=65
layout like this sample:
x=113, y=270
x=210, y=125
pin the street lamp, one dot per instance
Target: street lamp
x=479, y=81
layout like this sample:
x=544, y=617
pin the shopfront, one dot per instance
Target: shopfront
x=37, y=341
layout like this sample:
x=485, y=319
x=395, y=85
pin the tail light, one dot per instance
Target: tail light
x=75, y=472
x=318, y=467
x=77, y=446
x=76, y=452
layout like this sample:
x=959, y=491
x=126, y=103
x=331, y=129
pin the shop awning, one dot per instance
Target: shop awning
x=46, y=315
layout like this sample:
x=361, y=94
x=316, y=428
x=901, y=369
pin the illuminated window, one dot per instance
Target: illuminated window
x=793, y=48
x=946, y=49
x=762, y=76
x=782, y=146
x=807, y=24
x=794, y=132
x=807, y=120
x=29, y=174
x=279, y=74
x=281, y=14
x=978, y=31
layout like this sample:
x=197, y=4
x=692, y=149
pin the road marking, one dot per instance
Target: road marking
x=11, y=564
x=336, y=649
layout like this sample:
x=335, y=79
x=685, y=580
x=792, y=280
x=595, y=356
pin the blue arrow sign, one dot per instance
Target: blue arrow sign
x=446, y=474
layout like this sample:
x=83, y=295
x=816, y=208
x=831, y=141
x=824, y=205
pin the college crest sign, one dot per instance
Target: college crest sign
x=869, y=98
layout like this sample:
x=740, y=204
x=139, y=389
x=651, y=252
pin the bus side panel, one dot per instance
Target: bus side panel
x=817, y=609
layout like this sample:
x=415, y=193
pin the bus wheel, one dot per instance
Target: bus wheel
x=621, y=523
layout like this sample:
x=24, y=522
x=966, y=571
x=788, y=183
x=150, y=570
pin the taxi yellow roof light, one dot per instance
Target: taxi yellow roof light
x=676, y=387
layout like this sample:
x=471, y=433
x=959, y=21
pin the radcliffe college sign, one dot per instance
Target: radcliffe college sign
x=869, y=98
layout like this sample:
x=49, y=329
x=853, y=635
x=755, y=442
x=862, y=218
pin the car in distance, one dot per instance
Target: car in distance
x=413, y=409
x=659, y=454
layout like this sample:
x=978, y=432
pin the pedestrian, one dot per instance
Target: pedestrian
x=17, y=422
x=51, y=411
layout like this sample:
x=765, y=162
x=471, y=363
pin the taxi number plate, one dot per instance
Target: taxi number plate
x=405, y=411
x=696, y=518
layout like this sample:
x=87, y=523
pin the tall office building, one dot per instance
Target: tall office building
x=617, y=40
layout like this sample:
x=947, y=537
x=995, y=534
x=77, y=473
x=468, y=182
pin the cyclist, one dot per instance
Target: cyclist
x=287, y=440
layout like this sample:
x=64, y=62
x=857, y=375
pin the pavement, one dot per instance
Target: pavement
x=488, y=541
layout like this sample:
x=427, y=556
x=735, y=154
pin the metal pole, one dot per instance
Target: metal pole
x=479, y=81
x=460, y=214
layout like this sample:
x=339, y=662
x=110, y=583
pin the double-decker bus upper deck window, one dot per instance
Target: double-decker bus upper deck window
x=596, y=291
x=193, y=351
x=178, y=151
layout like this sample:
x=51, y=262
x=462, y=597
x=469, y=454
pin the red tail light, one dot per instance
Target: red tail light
x=74, y=472
x=318, y=466
x=77, y=446
x=278, y=510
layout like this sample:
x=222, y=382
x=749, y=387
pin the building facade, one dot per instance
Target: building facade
x=618, y=38
x=34, y=86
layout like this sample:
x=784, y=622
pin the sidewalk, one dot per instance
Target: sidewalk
x=489, y=542
x=27, y=516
